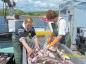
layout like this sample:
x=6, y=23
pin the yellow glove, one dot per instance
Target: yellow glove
x=50, y=38
x=53, y=43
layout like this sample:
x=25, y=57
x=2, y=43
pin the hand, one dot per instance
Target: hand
x=37, y=47
x=48, y=46
x=30, y=52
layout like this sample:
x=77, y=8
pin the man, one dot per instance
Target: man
x=59, y=27
x=27, y=30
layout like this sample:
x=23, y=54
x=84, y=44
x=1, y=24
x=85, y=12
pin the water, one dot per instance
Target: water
x=38, y=21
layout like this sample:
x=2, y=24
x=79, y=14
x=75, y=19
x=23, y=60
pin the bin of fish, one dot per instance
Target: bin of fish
x=4, y=58
x=44, y=56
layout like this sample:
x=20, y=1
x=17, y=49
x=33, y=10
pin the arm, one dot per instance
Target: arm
x=36, y=42
x=24, y=43
x=33, y=34
x=21, y=35
x=61, y=32
x=56, y=40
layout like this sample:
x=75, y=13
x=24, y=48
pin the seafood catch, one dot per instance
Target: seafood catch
x=43, y=56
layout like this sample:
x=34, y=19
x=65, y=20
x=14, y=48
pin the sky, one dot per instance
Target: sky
x=35, y=5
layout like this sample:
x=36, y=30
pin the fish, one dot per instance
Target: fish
x=43, y=56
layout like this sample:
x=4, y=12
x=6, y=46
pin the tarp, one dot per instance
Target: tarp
x=7, y=50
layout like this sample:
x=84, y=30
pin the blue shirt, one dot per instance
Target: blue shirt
x=21, y=32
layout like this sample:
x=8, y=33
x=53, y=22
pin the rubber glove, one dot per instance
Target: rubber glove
x=53, y=43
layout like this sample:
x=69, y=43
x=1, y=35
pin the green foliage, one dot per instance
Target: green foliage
x=5, y=1
x=36, y=13
x=19, y=12
x=4, y=12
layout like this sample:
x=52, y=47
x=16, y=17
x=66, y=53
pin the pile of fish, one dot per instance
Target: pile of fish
x=4, y=59
x=44, y=56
